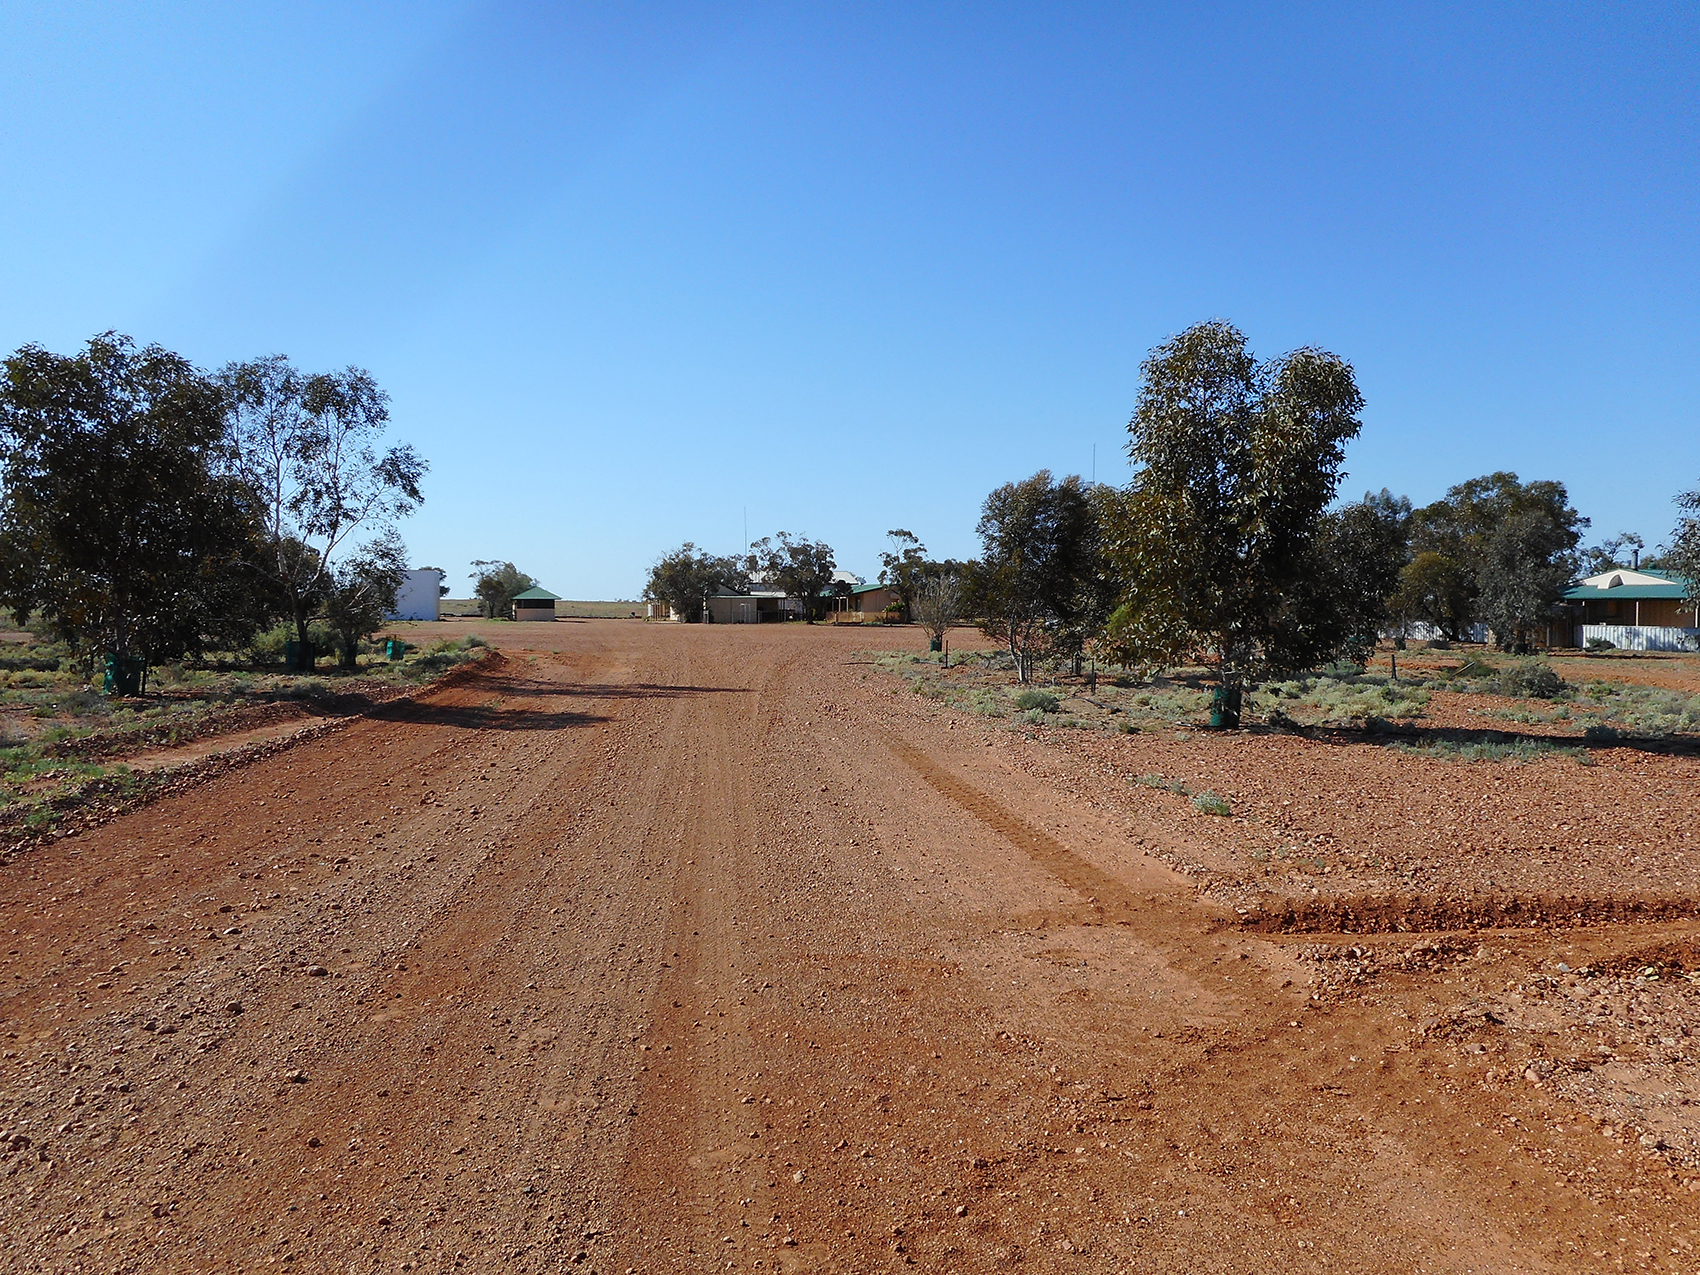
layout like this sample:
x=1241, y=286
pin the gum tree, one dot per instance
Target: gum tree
x=310, y=448
x=684, y=577
x=797, y=566
x=1216, y=540
x=116, y=523
x=1038, y=565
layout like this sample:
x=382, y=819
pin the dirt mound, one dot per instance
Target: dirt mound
x=1419, y=914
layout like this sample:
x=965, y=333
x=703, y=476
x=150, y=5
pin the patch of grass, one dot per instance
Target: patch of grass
x=1495, y=750
x=1330, y=700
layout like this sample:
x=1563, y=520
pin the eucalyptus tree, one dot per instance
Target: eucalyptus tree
x=117, y=524
x=310, y=446
x=1216, y=541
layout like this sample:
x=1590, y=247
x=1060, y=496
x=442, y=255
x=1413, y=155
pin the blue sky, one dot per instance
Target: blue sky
x=629, y=271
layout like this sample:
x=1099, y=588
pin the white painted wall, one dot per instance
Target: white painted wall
x=418, y=596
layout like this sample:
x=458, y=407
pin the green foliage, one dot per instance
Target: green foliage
x=1495, y=750
x=1621, y=552
x=307, y=446
x=1434, y=589
x=1211, y=804
x=1165, y=785
x=685, y=576
x=1530, y=679
x=115, y=527
x=1361, y=551
x=798, y=567
x=903, y=568
x=1033, y=698
x=1217, y=541
x=1343, y=700
x=1598, y=645
x=496, y=584
x=1041, y=584
x=1501, y=552
x=364, y=593
x=1682, y=559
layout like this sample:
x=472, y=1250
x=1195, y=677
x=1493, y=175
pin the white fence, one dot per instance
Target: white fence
x=1640, y=637
x=1423, y=631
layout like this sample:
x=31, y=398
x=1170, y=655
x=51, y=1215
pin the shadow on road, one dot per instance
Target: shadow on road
x=491, y=715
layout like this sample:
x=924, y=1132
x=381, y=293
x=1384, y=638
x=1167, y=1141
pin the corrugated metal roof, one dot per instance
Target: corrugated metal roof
x=537, y=595
x=1627, y=592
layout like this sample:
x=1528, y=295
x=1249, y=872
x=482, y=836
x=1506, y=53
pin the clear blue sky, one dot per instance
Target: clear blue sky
x=629, y=270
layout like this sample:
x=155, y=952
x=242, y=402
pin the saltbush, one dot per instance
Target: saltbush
x=1530, y=679
x=1034, y=698
x=1211, y=804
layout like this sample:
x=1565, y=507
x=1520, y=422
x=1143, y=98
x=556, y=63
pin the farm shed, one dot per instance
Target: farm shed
x=760, y=607
x=535, y=604
x=1634, y=610
x=419, y=595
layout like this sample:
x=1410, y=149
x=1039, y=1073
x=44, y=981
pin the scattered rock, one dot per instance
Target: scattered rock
x=798, y=1176
x=317, y=971
x=234, y=1007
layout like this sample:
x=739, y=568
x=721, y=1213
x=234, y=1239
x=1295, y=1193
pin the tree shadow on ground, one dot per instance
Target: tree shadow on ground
x=1444, y=739
x=490, y=716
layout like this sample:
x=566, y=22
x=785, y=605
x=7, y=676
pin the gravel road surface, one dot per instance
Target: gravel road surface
x=660, y=948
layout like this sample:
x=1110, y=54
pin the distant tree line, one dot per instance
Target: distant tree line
x=151, y=510
x=1228, y=546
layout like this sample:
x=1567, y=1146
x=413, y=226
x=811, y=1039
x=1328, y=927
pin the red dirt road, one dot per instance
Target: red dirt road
x=698, y=949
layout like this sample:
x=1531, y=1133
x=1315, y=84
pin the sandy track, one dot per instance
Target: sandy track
x=686, y=949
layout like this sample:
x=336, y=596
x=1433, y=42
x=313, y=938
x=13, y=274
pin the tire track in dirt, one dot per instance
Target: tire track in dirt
x=703, y=1146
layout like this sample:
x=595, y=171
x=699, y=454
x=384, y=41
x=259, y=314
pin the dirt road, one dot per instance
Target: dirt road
x=697, y=949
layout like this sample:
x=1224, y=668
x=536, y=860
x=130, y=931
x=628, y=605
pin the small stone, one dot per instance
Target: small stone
x=296, y=1077
x=317, y=971
x=314, y=1142
x=798, y=1176
x=234, y=1007
x=961, y=1210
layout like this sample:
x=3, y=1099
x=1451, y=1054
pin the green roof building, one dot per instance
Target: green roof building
x=535, y=604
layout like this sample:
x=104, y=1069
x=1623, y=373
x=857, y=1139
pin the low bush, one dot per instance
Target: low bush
x=1210, y=803
x=1496, y=750
x=1166, y=785
x=1597, y=645
x=1530, y=679
x=1034, y=698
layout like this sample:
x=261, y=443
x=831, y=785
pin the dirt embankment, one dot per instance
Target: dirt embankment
x=677, y=949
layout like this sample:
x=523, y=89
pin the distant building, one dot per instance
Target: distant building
x=759, y=607
x=420, y=594
x=535, y=604
x=1634, y=611
x=868, y=602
